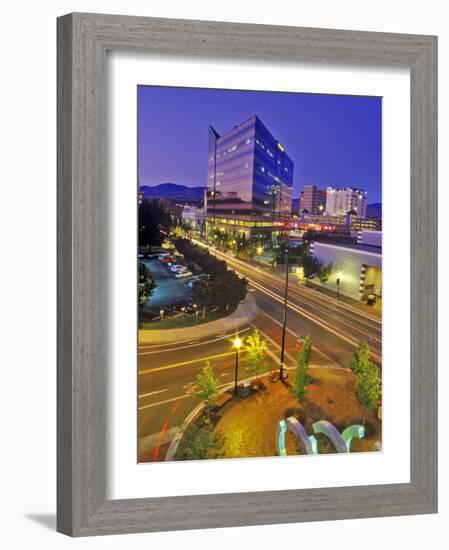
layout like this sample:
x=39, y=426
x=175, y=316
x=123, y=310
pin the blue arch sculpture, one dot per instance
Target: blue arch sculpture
x=309, y=444
x=329, y=430
x=356, y=430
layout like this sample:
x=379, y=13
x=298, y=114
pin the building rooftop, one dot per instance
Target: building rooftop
x=353, y=246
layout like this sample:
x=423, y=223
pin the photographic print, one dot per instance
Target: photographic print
x=259, y=274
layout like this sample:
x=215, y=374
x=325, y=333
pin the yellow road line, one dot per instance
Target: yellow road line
x=190, y=362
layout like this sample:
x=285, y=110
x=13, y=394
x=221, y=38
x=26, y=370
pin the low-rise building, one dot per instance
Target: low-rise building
x=195, y=217
x=345, y=224
x=341, y=201
x=356, y=268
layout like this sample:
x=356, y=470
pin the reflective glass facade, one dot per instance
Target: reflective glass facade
x=249, y=173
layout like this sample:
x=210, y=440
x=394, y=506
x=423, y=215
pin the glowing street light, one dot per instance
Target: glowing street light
x=259, y=251
x=236, y=343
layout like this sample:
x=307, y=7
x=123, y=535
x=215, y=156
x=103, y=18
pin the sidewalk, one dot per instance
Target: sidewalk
x=244, y=314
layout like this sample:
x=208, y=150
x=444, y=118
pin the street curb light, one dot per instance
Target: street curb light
x=236, y=344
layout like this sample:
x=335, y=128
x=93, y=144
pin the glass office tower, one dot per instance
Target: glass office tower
x=250, y=176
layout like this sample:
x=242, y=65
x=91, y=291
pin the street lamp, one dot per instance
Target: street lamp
x=259, y=252
x=284, y=324
x=196, y=312
x=236, y=344
x=339, y=276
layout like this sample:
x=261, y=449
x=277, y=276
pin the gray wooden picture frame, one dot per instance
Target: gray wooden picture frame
x=83, y=41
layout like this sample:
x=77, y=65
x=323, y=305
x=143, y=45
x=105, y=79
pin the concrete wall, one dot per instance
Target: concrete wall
x=347, y=265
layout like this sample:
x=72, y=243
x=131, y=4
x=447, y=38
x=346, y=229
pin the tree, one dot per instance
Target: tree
x=325, y=272
x=208, y=387
x=301, y=378
x=145, y=285
x=360, y=359
x=202, y=295
x=153, y=220
x=200, y=443
x=310, y=264
x=228, y=289
x=255, y=349
x=368, y=388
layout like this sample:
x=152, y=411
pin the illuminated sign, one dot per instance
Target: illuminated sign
x=280, y=147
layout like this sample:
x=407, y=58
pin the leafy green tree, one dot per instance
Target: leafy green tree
x=325, y=272
x=199, y=443
x=368, y=388
x=360, y=360
x=228, y=289
x=208, y=387
x=154, y=220
x=255, y=350
x=202, y=296
x=310, y=265
x=301, y=378
x=145, y=284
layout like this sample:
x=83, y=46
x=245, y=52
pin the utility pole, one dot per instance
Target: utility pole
x=284, y=324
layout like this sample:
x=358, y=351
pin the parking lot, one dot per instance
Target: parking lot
x=168, y=288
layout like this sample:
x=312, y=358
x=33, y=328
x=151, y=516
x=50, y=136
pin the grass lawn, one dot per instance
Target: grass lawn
x=184, y=320
x=250, y=425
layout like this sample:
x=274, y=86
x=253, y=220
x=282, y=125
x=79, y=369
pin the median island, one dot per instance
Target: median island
x=190, y=288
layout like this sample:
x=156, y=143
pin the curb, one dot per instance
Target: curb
x=245, y=313
x=173, y=447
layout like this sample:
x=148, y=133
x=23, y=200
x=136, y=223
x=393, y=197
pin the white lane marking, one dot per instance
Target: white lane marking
x=163, y=402
x=311, y=318
x=314, y=348
x=152, y=393
x=225, y=374
x=275, y=344
x=172, y=399
x=204, y=343
x=301, y=297
x=278, y=280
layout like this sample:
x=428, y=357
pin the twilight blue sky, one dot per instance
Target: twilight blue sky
x=332, y=140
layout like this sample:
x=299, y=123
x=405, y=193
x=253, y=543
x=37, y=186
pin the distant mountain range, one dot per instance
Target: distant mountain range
x=173, y=191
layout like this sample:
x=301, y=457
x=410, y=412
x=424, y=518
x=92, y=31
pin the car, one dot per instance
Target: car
x=168, y=259
x=192, y=282
x=190, y=309
x=182, y=274
x=180, y=303
x=177, y=267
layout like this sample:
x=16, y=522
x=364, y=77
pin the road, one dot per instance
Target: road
x=167, y=372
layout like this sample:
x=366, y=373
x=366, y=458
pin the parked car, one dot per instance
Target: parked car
x=175, y=268
x=192, y=282
x=182, y=274
x=180, y=303
x=190, y=309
